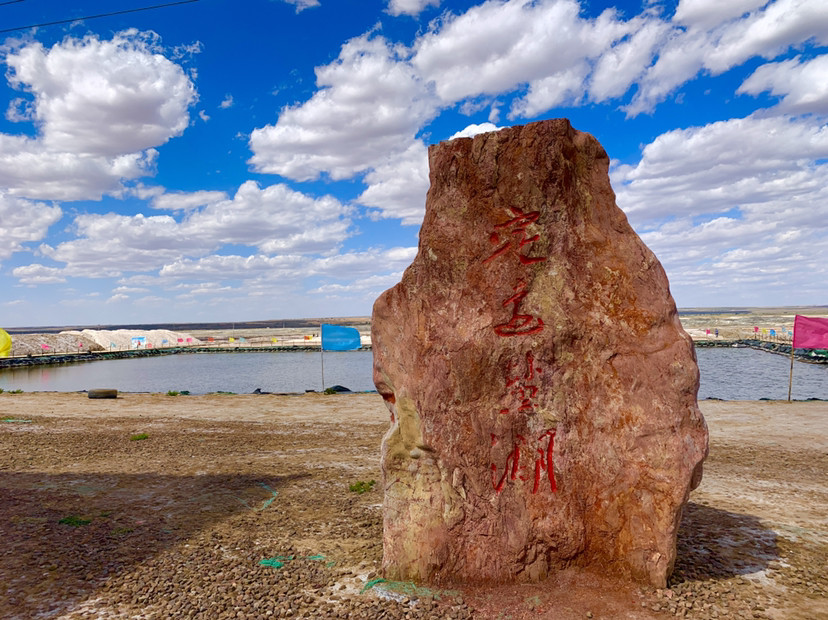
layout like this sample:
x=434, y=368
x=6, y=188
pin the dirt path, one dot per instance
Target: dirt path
x=99, y=523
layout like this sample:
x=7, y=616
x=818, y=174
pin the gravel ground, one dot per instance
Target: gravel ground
x=239, y=507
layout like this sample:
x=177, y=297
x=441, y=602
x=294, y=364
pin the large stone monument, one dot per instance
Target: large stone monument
x=541, y=388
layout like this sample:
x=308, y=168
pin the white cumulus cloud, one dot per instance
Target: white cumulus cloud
x=410, y=7
x=765, y=32
x=742, y=202
x=803, y=86
x=709, y=13
x=398, y=186
x=271, y=219
x=103, y=97
x=472, y=130
x=369, y=106
x=497, y=46
x=186, y=201
x=301, y=5
x=38, y=274
x=23, y=221
x=707, y=169
x=100, y=108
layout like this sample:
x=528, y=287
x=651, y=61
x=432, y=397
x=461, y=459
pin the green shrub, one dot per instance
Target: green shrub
x=361, y=486
x=139, y=437
x=172, y=393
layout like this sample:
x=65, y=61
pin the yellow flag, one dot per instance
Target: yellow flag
x=5, y=343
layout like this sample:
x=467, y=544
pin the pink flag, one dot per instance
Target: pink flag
x=810, y=333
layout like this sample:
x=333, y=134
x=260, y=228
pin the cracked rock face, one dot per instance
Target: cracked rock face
x=541, y=388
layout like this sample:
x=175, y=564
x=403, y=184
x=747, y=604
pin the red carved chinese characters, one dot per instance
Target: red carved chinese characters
x=519, y=241
x=511, y=467
x=522, y=387
x=517, y=229
x=543, y=462
x=513, y=470
x=513, y=239
x=519, y=324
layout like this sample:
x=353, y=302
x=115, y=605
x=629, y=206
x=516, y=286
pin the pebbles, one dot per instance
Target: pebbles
x=171, y=542
x=178, y=526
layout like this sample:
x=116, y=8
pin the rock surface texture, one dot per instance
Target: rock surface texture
x=542, y=390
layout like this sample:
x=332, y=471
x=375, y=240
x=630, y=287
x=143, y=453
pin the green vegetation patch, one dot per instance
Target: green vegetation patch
x=75, y=521
x=121, y=531
x=139, y=437
x=361, y=486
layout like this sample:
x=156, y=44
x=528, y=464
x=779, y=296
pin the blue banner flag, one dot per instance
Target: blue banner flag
x=337, y=338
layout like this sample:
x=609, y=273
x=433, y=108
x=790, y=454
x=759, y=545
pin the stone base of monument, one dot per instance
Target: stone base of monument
x=542, y=392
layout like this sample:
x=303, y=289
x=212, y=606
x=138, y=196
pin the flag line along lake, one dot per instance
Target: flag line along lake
x=726, y=373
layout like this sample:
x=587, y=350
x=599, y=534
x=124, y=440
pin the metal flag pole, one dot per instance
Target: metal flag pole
x=322, y=357
x=790, y=378
x=322, y=353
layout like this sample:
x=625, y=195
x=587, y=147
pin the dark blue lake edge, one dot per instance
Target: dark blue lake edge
x=97, y=356
x=729, y=371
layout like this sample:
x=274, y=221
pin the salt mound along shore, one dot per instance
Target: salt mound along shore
x=122, y=338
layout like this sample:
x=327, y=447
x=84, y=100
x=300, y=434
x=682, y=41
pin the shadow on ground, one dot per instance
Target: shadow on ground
x=715, y=544
x=65, y=534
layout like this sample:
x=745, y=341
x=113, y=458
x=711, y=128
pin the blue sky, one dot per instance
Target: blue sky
x=266, y=159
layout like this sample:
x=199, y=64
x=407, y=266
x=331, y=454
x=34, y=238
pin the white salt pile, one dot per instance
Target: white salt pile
x=123, y=338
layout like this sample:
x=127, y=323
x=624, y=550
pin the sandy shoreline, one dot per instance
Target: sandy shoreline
x=178, y=523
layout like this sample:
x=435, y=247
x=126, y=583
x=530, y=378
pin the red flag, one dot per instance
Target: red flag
x=810, y=333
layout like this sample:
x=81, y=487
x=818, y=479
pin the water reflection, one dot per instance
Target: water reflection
x=748, y=374
x=729, y=374
x=202, y=373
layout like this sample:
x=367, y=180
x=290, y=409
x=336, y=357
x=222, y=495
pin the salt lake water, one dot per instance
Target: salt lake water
x=726, y=373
